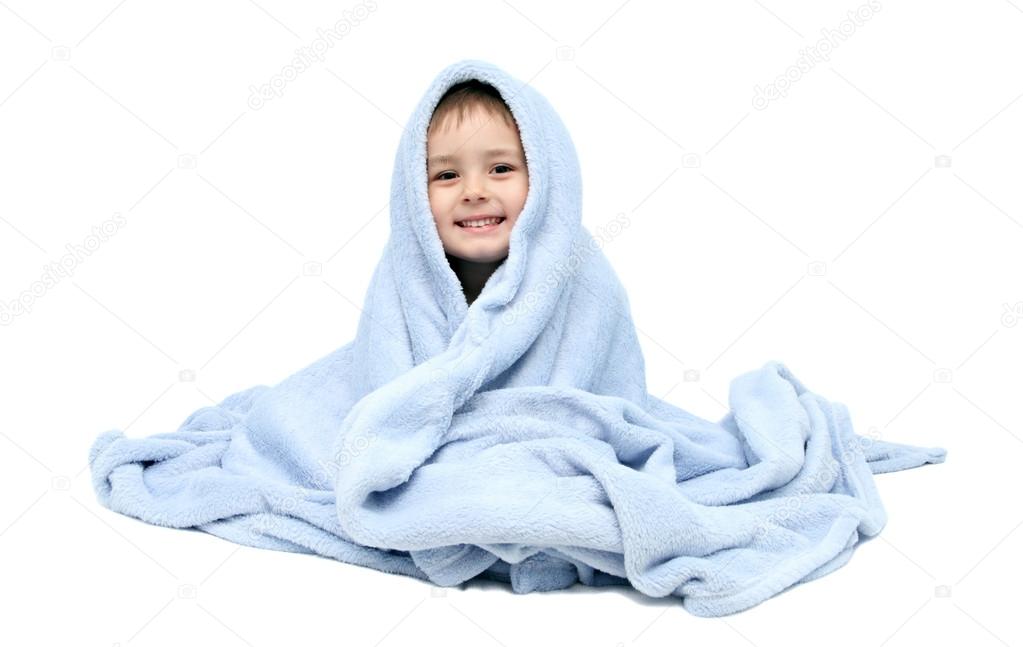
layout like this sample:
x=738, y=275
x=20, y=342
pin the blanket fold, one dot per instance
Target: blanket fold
x=515, y=439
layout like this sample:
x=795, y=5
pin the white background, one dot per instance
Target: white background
x=825, y=231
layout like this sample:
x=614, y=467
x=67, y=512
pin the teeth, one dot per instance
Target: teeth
x=480, y=223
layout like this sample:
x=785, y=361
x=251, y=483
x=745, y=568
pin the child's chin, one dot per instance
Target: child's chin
x=480, y=254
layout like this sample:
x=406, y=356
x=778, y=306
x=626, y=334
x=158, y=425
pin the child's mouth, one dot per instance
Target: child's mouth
x=480, y=229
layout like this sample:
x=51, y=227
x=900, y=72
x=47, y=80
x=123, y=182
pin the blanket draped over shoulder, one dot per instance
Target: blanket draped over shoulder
x=515, y=439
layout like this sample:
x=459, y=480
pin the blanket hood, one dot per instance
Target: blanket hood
x=543, y=235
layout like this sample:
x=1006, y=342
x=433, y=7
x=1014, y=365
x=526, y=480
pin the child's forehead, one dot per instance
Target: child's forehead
x=489, y=139
x=489, y=153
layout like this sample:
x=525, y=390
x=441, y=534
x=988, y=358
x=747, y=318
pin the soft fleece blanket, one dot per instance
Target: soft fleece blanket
x=515, y=439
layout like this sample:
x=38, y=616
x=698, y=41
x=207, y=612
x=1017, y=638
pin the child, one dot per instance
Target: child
x=476, y=173
x=516, y=441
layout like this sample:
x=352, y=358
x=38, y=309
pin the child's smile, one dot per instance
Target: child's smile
x=480, y=223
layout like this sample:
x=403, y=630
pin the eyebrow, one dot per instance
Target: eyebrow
x=493, y=152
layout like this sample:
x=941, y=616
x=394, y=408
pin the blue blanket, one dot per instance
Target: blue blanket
x=514, y=439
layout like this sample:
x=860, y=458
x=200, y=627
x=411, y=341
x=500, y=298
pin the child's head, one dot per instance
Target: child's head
x=476, y=167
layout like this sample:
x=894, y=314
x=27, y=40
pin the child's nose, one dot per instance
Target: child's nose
x=474, y=190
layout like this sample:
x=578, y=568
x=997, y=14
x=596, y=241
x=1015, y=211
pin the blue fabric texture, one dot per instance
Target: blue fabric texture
x=515, y=439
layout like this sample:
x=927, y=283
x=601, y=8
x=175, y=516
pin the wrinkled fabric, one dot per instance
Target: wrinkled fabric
x=515, y=439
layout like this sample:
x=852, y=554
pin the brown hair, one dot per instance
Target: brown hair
x=461, y=97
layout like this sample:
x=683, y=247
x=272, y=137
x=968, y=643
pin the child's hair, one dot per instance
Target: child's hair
x=462, y=96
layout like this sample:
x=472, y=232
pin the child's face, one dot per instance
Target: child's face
x=466, y=179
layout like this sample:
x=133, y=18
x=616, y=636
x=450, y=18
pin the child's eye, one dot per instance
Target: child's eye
x=441, y=176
